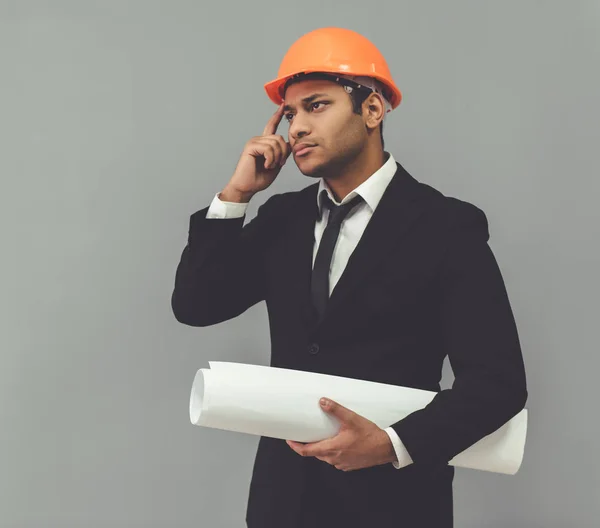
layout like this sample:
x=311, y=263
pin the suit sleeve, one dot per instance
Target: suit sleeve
x=479, y=335
x=220, y=274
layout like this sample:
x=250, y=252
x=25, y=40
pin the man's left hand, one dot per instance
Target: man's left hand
x=359, y=444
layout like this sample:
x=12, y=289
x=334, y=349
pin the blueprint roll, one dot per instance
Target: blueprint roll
x=284, y=403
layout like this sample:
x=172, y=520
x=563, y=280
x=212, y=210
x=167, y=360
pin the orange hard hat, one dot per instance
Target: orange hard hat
x=333, y=50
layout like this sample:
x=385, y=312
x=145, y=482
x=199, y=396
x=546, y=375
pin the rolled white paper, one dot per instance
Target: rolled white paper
x=284, y=403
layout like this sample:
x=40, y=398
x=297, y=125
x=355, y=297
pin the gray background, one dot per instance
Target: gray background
x=120, y=119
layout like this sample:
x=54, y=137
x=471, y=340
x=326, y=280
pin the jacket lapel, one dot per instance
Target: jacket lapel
x=393, y=217
x=299, y=248
x=395, y=214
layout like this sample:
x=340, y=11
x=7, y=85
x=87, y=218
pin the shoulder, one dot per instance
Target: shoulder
x=451, y=214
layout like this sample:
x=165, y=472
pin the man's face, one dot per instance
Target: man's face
x=320, y=113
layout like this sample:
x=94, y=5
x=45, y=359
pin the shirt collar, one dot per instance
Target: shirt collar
x=371, y=190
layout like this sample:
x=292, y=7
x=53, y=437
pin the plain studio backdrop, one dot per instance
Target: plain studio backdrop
x=119, y=119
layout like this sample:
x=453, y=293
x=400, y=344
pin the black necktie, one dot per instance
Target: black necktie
x=319, y=287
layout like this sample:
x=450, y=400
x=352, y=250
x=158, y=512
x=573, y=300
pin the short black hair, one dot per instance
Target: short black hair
x=357, y=96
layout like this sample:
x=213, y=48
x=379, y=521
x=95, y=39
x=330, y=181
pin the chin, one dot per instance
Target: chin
x=310, y=173
x=310, y=168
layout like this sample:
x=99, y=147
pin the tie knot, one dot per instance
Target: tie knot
x=337, y=213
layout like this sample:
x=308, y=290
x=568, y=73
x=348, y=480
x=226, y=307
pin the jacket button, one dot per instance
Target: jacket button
x=313, y=349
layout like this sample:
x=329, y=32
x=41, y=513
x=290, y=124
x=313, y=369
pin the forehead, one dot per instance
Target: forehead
x=299, y=90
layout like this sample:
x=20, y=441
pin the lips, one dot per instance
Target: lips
x=303, y=148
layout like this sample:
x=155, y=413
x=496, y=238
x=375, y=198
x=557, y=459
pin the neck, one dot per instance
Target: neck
x=356, y=172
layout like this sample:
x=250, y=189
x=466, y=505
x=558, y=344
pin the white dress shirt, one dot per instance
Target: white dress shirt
x=351, y=230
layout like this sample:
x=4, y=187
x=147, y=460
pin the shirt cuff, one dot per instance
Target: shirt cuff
x=220, y=209
x=404, y=459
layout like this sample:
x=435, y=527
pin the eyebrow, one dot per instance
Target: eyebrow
x=307, y=100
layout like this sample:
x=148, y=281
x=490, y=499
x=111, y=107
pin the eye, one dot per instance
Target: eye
x=318, y=103
x=288, y=117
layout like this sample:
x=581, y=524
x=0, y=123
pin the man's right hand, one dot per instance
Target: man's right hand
x=260, y=163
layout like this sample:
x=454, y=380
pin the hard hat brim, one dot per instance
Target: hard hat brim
x=275, y=88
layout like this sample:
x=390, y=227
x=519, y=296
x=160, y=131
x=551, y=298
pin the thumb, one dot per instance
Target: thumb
x=339, y=411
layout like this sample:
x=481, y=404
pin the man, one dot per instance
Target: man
x=368, y=274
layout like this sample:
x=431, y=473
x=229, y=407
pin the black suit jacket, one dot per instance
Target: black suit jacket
x=421, y=284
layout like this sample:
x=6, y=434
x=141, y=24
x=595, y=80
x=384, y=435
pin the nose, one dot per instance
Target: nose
x=299, y=127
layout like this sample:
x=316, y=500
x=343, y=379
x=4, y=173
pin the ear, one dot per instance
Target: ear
x=373, y=110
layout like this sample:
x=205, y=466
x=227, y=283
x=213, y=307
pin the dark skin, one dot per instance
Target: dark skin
x=360, y=443
x=348, y=146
